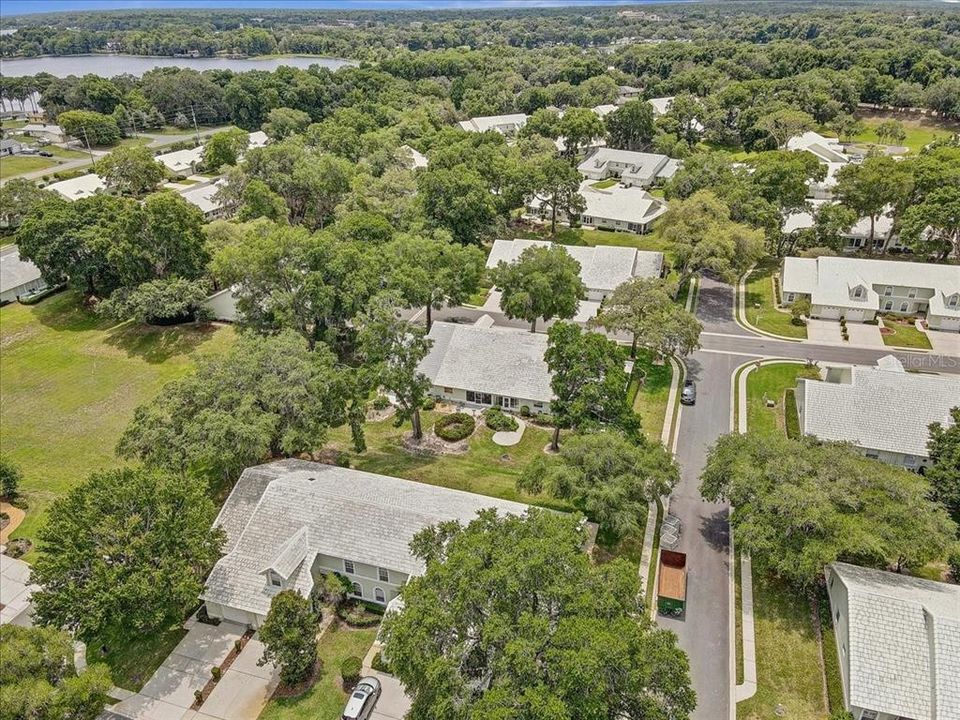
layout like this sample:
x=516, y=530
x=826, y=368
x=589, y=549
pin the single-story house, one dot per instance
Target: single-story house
x=204, y=197
x=604, y=110
x=79, y=187
x=857, y=237
x=290, y=522
x=257, y=139
x=503, y=124
x=43, y=131
x=627, y=209
x=10, y=147
x=222, y=305
x=829, y=152
x=884, y=411
x=602, y=268
x=413, y=158
x=182, y=162
x=898, y=643
x=481, y=366
x=856, y=289
x=631, y=168
x=626, y=93
x=17, y=276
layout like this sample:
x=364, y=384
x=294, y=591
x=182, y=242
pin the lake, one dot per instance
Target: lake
x=110, y=65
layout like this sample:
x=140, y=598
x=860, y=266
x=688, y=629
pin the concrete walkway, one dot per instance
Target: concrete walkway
x=509, y=438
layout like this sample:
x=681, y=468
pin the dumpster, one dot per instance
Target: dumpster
x=672, y=585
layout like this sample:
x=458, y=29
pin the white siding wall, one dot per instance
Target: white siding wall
x=838, y=614
x=13, y=293
x=367, y=576
x=459, y=395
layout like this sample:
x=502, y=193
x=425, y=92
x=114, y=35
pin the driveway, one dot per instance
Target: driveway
x=864, y=335
x=944, y=343
x=244, y=689
x=168, y=695
x=393, y=703
x=823, y=331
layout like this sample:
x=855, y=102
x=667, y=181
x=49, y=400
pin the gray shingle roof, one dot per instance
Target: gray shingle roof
x=346, y=513
x=904, y=643
x=882, y=408
x=14, y=270
x=497, y=360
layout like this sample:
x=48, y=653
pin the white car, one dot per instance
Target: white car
x=362, y=699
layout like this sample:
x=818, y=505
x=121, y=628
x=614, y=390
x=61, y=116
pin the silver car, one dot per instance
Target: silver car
x=362, y=699
x=688, y=396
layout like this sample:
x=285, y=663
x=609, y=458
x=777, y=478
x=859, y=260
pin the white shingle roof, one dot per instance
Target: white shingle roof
x=861, y=229
x=904, y=643
x=14, y=270
x=881, y=408
x=828, y=150
x=182, y=161
x=204, y=196
x=492, y=122
x=642, y=167
x=341, y=512
x=661, y=105
x=829, y=280
x=79, y=187
x=496, y=360
x=256, y=139
x=602, y=267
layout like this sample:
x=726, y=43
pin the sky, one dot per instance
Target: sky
x=20, y=7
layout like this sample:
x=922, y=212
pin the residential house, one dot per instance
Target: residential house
x=830, y=153
x=884, y=411
x=503, y=124
x=10, y=147
x=79, y=187
x=257, y=140
x=603, y=110
x=413, y=158
x=43, y=131
x=289, y=523
x=482, y=366
x=856, y=289
x=855, y=238
x=631, y=168
x=898, y=643
x=17, y=276
x=222, y=305
x=205, y=198
x=626, y=93
x=660, y=105
x=627, y=209
x=182, y=162
x=16, y=592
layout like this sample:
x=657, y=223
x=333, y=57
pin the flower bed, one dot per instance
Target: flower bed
x=455, y=427
x=497, y=420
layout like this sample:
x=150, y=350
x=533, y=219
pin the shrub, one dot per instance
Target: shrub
x=10, y=477
x=953, y=561
x=799, y=310
x=237, y=645
x=216, y=672
x=524, y=411
x=341, y=459
x=198, y=696
x=499, y=420
x=380, y=402
x=429, y=403
x=358, y=615
x=379, y=664
x=455, y=426
x=350, y=669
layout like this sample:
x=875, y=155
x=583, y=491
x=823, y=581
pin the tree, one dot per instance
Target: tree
x=130, y=171
x=681, y=118
x=258, y=200
x=558, y=189
x=38, y=680
x=846, y=126
x=644, y=307
x=266, y=397
x=90, y=127
x=831, y=222
x=18, y=198
x=784, y=124
x=801, y=504
x=224, y=148
x=611, y=479
x=544, y=282
x=457, y=200
x=588, y=380
x=578, y=127
x=510, y=609
x=125, y=553
x=432, y=271
x=158, y=302
x=705, y=238
x=631, y=126
x=932, y=226
x=944, y=474
x=394, y=348
x=10, y=476
x=283, y=122
x=289, y=636
x=891, y=130
x=870, y=187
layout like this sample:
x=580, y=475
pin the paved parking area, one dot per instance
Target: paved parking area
x=944, y=343
x=823, y=331
x=393, y=703
x=863, y=335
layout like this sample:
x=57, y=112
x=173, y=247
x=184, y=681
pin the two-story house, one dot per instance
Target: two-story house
x=857, y=289
x=289, y=523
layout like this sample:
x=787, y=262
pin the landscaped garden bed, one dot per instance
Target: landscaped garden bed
x=902, y=332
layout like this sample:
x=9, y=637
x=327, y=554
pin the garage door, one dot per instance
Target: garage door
x=240, y=616
x=854, y=315
x=827, y=313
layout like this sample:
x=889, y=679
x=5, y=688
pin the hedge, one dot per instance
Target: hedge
x=350, y=669
x=455, y=426
x=498, y=420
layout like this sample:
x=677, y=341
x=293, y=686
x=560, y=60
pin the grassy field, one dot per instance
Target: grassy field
x=770, y=381
x=736, y=152
x=70, y=383
x=788, y=656
x=326, y=699
x=19, y=164
x=760, y=305
x=920, y=132
x=650, y=393
x=905, y=334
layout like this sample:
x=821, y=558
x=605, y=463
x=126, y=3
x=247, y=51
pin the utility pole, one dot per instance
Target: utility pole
x=133, y=121
x=93, y=161
x=195, y=128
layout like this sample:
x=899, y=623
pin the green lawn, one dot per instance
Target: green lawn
x=650, y=393
x=325, y=700
x=760, y=304
x=788, y=656
x=132, y=663
x=770, y=382
x=136, y=141
x=905, y=334
x=19, y=164
x=603, y=184
x=736, y=152
x=70, y=383
x=920, y=132
x=65, y=153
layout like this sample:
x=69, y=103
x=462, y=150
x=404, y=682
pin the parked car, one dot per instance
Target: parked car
x=45, y=153
x=688, y=396
x=362, y=699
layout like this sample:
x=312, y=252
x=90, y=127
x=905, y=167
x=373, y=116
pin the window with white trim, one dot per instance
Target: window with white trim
x=357, y=589
x=378, y=595
x=383, y=574
x=954, y=301
x=888, y=305
x=912, y=293
x=275, y=579
x=348, y=567
x=868, y=715
x=858, y=291
x=888, y=291
x=481, y=398
x=904, y=305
